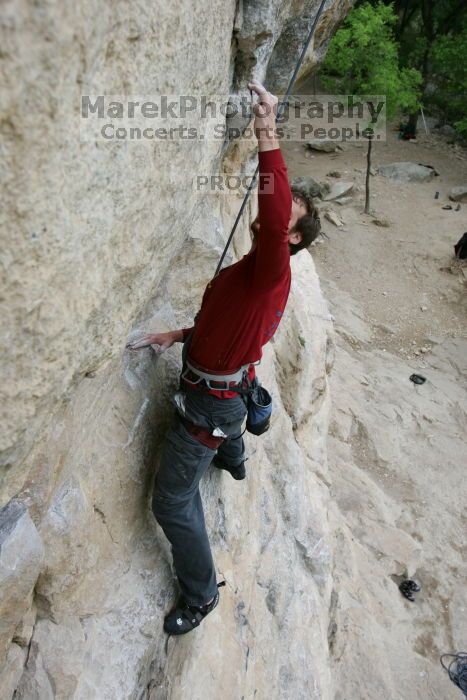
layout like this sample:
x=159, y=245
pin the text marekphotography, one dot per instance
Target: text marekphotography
x=188, y=118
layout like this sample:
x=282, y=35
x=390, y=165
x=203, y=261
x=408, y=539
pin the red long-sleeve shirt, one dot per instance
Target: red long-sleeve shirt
x=242, y=307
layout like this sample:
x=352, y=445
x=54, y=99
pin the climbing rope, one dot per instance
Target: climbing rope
x=281, y=108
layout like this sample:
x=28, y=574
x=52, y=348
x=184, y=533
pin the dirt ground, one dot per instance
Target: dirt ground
x=396, y=451
x=401, y=274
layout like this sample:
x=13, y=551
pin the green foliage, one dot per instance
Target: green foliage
x=431, y=36
x=449, y=76
x=363, y=59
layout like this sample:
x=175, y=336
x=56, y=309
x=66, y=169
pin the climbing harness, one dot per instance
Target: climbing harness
x=194, y=375
x=257, y=400
x=205, y=379
x=204, y=435
x=280, y=109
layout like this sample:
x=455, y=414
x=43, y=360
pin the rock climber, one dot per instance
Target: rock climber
x=240, y=312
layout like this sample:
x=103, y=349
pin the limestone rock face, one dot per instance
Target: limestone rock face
x=412, y=527
x=21, y=555
x=288, y=46
x=12, y=670
x=104, y=241
x=90, y=227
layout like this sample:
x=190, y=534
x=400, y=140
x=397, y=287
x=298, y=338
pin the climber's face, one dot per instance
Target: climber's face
x=298, y=210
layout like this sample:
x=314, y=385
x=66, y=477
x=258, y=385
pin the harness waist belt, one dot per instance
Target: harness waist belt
x=227, y=379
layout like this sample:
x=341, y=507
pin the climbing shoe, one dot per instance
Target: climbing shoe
x=237, y=472
x=183, y=617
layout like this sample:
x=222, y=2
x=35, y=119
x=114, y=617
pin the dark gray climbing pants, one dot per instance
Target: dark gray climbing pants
x=176, y=501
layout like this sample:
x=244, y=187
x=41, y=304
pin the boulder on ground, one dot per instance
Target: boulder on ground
x=311, y=186
x=339, y=189
x=458, y=194
x=448, y=131
x=431, y=123
x=406, y=172
x=333, y=218
x=324, y=146
x=381, y=221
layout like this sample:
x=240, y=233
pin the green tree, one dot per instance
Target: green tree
x=431, y=36
x=449, y=78
x=363, y=59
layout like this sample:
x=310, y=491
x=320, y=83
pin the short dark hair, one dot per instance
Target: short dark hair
x=309, y=224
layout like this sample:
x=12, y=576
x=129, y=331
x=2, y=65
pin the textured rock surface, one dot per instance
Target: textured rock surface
x=339, y=189
x=12, y=670
x=75, y=284
x=323, y=146
x=333, y=218
x=311, y=186
x=406, y=172
x=396, y=513
x=103, y=241
x=21, y=555
x=294, y=31
x=458, y=194
x=396, y=465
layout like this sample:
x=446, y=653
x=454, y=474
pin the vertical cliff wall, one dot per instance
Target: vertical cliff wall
x=100, y=241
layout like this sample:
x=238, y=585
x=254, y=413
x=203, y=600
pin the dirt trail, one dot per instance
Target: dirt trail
x=396, y=450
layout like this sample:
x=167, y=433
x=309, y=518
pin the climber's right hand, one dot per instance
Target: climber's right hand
x=163, y=340
x=265, y=110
